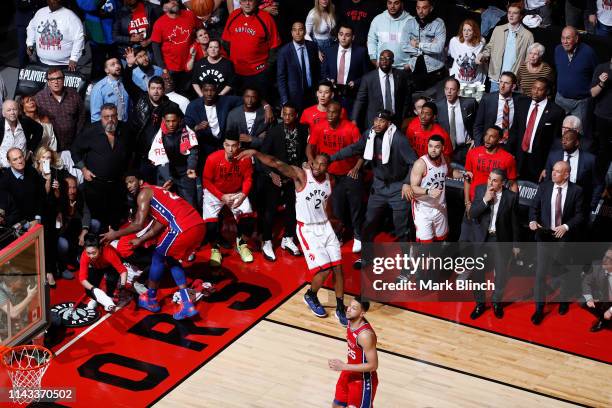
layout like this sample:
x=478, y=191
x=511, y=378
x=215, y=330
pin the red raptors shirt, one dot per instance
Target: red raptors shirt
x=480, y=163
x=355, y=352
x=171, y=210
x=329, y=140
x=139, y=22
x=313, y=116
x=419, y=138
x=108, y=257
x=222, y=176
x=251, y=38
x=175, y=36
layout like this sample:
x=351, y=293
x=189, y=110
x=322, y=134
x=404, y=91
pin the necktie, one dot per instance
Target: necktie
x=453, y=128
x=558, y=207
x=505, y=121
x=303, y=65
x=388, y=100
x=530, y=128
x=341, y=68
x=569, y=156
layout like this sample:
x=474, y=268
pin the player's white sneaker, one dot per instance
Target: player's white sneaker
x=288, y=245
x=268, y=251
x=356, y=246
x=92, y=304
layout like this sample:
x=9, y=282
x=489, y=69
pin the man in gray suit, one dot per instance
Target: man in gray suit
x=597, y=292
x=456, y=115
x=384, y=88
x=248, y=120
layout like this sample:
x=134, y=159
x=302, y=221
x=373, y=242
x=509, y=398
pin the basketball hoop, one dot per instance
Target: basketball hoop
x=26, y=365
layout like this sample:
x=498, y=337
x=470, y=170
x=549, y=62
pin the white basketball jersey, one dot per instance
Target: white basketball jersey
x=434, y=178
x=311, y=201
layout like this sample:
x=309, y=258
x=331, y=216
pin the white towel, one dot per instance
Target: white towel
x=368, y=154
x=157, y=153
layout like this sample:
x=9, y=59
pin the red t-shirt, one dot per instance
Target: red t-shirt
x=480, y=163
x=227, y=177
x=312, y=116
x=175, y=36
x=139, y=24
x=330, y=141
x=108, y=257
x=251, y=38
x=419, y=138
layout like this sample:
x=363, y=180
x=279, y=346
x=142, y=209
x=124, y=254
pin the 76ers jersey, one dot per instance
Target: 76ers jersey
x=434, y=178
x=355, y=352
x=171, y=210
x=310, y=202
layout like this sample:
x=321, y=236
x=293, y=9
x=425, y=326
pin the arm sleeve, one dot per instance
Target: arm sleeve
x=79, y=40
x=407, y=35
x=373, y=40
x=281, y=77
x=112, y=257
x=31, y=32
x=86, y=217
x=437, y=46
x=78, y=151
x=310, y=26
x=208, y=179
x=83, y=266
x=192, y=159
x=351, y=150
x=95, y=104
x=157, y=55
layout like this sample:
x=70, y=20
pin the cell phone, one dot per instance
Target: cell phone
x=46, y=166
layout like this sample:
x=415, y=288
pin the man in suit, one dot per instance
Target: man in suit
x=248, y=120
x=344, y=65
x=15, y=131
x=456, y=115
x=495, y=214
x=497, y=108
x=537, y=122
x=556, y=216
x=286, y=142
x=298, y=69
x=597, y=292
x=583, y=168
x=385, y=88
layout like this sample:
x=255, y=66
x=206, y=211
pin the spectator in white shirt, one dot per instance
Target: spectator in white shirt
x=600, y=15
x=542, y=8
x=463, y=49
x=13, y=134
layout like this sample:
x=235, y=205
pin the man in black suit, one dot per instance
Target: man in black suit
x=456, y=115
x=597, y=292
x=344, y=65
x=286, y=142
x=25, y=133
x=385, y=88
x=248, y=120
x=497, y=108
x=583, y=168
x=298, y=69
x=495, y=214
x=537, y=122
x=556, y=216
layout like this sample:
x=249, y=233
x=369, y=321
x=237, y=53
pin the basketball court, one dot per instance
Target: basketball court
x=257, y=345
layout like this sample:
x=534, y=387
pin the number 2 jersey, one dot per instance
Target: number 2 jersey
x=171, y=210
x=310, y=201
x=434, y=178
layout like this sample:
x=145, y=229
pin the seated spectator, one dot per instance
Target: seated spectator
x=463, y=49
x=111, y=90
x=28, y=108
x=320, y=22
x=144, y=70
x=248, y=121
x=13, y=133
x=56, y=35
x=213, y=66
x=385, y=34
x=199, y=48
x=423, y=127
x=596, y=289
x=542, y=8
x=133, y=24
x=600, y=15
x=423, y=40
x=533, y=68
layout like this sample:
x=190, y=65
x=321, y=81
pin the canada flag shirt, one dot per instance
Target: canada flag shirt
x=175, y=36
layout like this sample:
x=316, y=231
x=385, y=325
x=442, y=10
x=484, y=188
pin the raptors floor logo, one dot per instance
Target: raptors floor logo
x=75, y=316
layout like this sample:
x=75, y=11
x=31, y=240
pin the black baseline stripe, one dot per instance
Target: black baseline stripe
x=393, y=353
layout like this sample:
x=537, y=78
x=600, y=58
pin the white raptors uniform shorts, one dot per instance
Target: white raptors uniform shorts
x=320, y=245
x=430, y=223
x=212, y=206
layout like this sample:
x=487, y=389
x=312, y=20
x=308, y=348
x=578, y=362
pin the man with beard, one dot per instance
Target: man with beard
x=420, y=130
x=427, y=180
x=141, y=67
x=103, y=153
x=110, y=90
x=248, y=120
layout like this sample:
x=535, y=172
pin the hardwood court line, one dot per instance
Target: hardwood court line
x=455, y=370
x=255, y=323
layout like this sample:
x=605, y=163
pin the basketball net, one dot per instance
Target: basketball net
x=26, y=365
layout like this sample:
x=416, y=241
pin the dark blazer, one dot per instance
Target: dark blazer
x=289, y=73
x=122, y=22
x=506, y=223
x=274, y=143
x=359, y=65
x=469, y=109
x=573, y=214
x=587, y=176
x=196, y=113
x=487, y=115
x=596, y=285
x=370, y=98
x=29, y=193
x=549, y=128
x=32, y=130
x=236, y=123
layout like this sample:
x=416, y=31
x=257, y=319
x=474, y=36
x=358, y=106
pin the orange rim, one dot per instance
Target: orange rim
x=43, y=350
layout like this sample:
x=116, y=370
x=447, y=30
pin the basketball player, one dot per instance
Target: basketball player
x=357, y=384
x=179, y=229
x=427, y=181
x=317, y=237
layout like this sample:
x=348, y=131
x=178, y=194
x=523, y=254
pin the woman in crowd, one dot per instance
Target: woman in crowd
x=214, y=66
x=463, y=49
x=28, y=107
x=533, y=68
x=320, y=22
x=198, y=48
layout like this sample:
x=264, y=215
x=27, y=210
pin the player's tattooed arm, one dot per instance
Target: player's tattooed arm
x=295, y=173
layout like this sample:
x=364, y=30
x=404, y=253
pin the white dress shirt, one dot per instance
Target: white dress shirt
x=250, y=120
x=494, y=211
x=11, y=139
x=460, y=131
x=573, y=162
x=213, y=119
x=500, y=111
x=541, y=108
x=347, y=62
x=382, y=80
x=553, y=200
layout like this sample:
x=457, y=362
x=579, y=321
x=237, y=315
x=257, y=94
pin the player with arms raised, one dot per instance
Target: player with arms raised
x=180, y=230
x=317, y=237
x=358, y=381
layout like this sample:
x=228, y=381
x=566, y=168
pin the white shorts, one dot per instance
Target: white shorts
x=320, y=245
x=430, y=223
x=212, y=206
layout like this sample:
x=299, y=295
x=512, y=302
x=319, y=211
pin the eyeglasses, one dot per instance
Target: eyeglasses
x=55, y=79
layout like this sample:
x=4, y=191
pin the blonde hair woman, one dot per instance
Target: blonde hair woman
x=320, y=22
x=28, y=107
